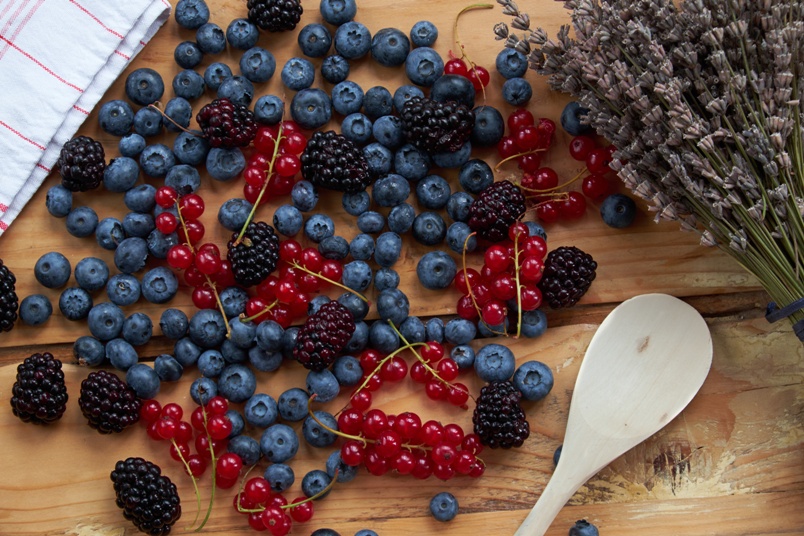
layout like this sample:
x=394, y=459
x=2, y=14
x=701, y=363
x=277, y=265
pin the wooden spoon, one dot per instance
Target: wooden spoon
x=644, y=364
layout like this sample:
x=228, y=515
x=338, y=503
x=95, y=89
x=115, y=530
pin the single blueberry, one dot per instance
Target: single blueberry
x=458, y=206
x=238, y=422
x=109, y=233
x=390, y=47
x=234, y=301
x=452, y=87
x=138, y=329
x=494, y=362
x=225, y=164
x=572, y=119
x=187, y=54
x=242, y=34
x=237, y=383
x=453, y=159
x=316, y=303
x=334, y=247
x=188, y=85
x=323, y=384
x=131, y=145
x=82, y=221
x=178, y=113
x=378, y=102
x=260, y=410
x=123, y=289
x=458, y=331
x=257, y=65
x=311, y=108
x=533, y=379
x=159, y=285
x=52, y=270
x=347, y=97
x=357, y=128
x=386, y=278
x=210, y=38
x=387, y=130
x=186, y=352
x=393, y=305
x=168, y=368
x=460, y=238
x=355, y=203
x=298, y=73
x=618, y=211
x=317, y=435
x=436, y=270
x=534, y=229
x=173, y=323
x=269, y=336
x=147, y=122
x=241, y=333
x=401, y=217
x=434, y=329
x=383, y=338
x=232, y=353
x=429, y=228
x=191, y=149
x=362, y=247
x=347, y=370
x=292, y=404
x=215, y=74
x=358, y=307
x=144, y=380
x=279, y=443
x=191, y=14
x=403, y=94
x=269, y=109
x=140, y=198
x=59, y=201
x=359, y=339
x=335, y=68
x=121, y=174
x=246, y=447
x=444, y=506
x=433, y=192
x=357, y=275
x=304, y=195
x=202, y=390
x=233, y=214
x=318, y=227
x=423, y=66
x=583, y=528
x=411, y=162
x=159, y=244
x=138, y=224
x=35, y=309
x=116, y=117
x=264, y=361
x=315, y=40
x=335, y=465
x=475, y=176
x=511, y=63
x=130, y=255
x=121, y=354
x=517, y=91
x=370, y=222
x=388, y=249
x=207, y=328
x=156, y=160
x=489, y=126
x=391, y=190
x=337, y=12
x=315, y=482
x=463, y=355
x=352, y=40
x=89, y=351
x=288, y=220
x=534, y=323
x=280, y=477
x=237, y=89
x=424, y=33
x=413, y=329
x=144, y=86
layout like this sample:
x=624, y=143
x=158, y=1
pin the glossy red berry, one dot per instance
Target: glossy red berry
x=166, y=223
x=596, y=187
x=598, y=159
x=165, y=196
x=191, y=206
x=479, y=76
x=229, y=465
x=519, y=118
x=456, y=66
x=581, y=146
x=573, y=206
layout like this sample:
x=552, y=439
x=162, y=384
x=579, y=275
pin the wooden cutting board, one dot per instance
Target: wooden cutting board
x=732, y=463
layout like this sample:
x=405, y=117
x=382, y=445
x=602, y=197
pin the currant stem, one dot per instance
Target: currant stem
x=298, y=266
x=518, y=287
x=192, y=477
x=267, y=308
x=156, y=106
x=460, y=46
x=214, y=463
x=317, y=495
x=515, y=156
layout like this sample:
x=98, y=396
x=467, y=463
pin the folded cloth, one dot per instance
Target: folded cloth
x=57, y=59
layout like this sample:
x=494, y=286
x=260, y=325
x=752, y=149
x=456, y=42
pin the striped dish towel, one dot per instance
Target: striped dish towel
x=57, y=59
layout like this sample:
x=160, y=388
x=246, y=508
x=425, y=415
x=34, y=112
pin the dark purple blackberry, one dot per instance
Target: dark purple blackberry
x=495, y=209
x=436, y=127
x=323, y=336
x=226, y=124
x=108, y=403
x=8, y=298
x=81, y=164
x=275, y=15
x=256, y=255
x=39, y=395
x=499, y=420
x=568, y=273
x=148, y=498
x=332, y=161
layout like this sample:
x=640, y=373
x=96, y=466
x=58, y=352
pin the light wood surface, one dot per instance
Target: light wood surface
x=731, y=463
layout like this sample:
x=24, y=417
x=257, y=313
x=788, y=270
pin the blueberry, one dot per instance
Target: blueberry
x=233, y=214
x=534, y=229
x=123, y=289
x=453, y=159
x=323, y=384
x=156, y=160
x=288, y=220
x=489, y=126
x=429, y=228
x=358, y=307
x=316, y=303
x=463, y=355
x=386, y=278
x=246, y=447
x=191, y=14
x=434, y=330
x=411, y=162
x=352, y=40
x=279, y=443
x=378, y=102
x=264, y=361
x=433, y=192
x=511, y=63
x=475, y=176
x=458, y=331
x=347, y=97
x=210, y=38
x=237, y=383
x=315, y=40
x=452, y=87
x=144, y=86
x=147, y=122
x=436, y=270
x=423, y=66
x=359, y=339
x=444, y=506
x=173, y=323
x=202, y=390
x=403, y=94
x=257, y=65
x=371, y=222
x=35, y=309
x=260, y=410
x=391, y=190
x=232, y=353
x=618, y=211
x=140, y=198
x=362, y=247
x=401, y=217
x=52, y=270
x=347, y=370
x=215, y=74
x=189, y=85
x=318, y=227
x=225, y=164
x=159, y=244
x=387, y=130
x=534, y=380
x=138, y=329
x=269, y=109
x=298, y=73
x=238, y=422
x=59, y=201
x=388, y=249
x=237, y=89
x=131, y=145
x=572, y=117
x=190, y=149
x=159, y=285
x=292, y=404
x=355, y=203
x=383, y=338
x=116, y=117
x=234, y=301
x=168, y=368
x=186, y=352
x=121, y=174
x=494, y=362
x=207, y=328
x=121, y=354
x=109, y=233
x=390, y=47
x=311, y=108
x=81, y=222
x=304, y=196
x=337, y=12
x=458, y=206
x=335, y=68
x=178, y=113
x=335, y=465
x=89, y=351
x=315, y=434
x=144, y=380
x=534, y=323
x=459, y=239
x=138, y=224
x=486, y=331
x=393, y=305
x=289, y=340
x=130, y=255
x=366, y=532
x=269, y=336
x=357, y=275
x=280, y=476
x=413, y=329
x=517, y=91
x=357, y=128
x=334, y=247
x=424, y=33
x=187, y=54
x=583, y=528
x=242, y=34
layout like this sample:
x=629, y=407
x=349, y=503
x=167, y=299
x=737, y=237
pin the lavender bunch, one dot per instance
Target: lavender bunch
x=703, y=103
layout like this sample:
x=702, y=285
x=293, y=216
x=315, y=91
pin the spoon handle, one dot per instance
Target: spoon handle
x=561, y=487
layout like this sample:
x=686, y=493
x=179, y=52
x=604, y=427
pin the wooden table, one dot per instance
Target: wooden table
x=732, y=463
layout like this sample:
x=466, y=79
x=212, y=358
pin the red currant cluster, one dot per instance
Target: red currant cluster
x=476, y=74
x=272, y=167
x=267, y=510
x=526, y=140
x=508, y=280
x=585, y=149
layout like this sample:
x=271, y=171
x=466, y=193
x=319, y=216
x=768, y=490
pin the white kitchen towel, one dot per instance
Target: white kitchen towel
x=57, y=59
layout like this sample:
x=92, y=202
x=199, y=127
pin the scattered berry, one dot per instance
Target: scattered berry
x=39, y=395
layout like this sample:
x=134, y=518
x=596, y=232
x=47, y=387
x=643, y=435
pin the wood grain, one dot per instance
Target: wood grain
x=732, y=463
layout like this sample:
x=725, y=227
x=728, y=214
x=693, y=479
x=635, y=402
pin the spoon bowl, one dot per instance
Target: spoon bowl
x=645, y=363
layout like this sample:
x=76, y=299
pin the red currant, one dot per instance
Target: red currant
x=165, y=196
x=580, y=146
x=596, y=187
x=493, y=313
x=229, y=465
x=150, y=411
x=191, y=206
x=407, y=425
x=496, y=258
x=456, y=66
x=548, y=211
x=166, y=223
x=598, y=159
x=432, y=352
x=302, y=510
x=479, y=76
x=287, y=165
x=527, y=138
x=573, y=206
x=180, y=257
x=519, y=118
x=432, y=433
x=436, y=390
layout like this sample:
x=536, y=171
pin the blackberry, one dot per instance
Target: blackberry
x=499, y=420
x=568, y=273
x=257, y=254
x=227, y=124
x=323, y=336
x=148, y=498
x=495, y=209
x=81, y=164
x=8, y=298
x=39, y=395
x=332, y=161
x=108, y=403
x=275, y=15
x=436, y=127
